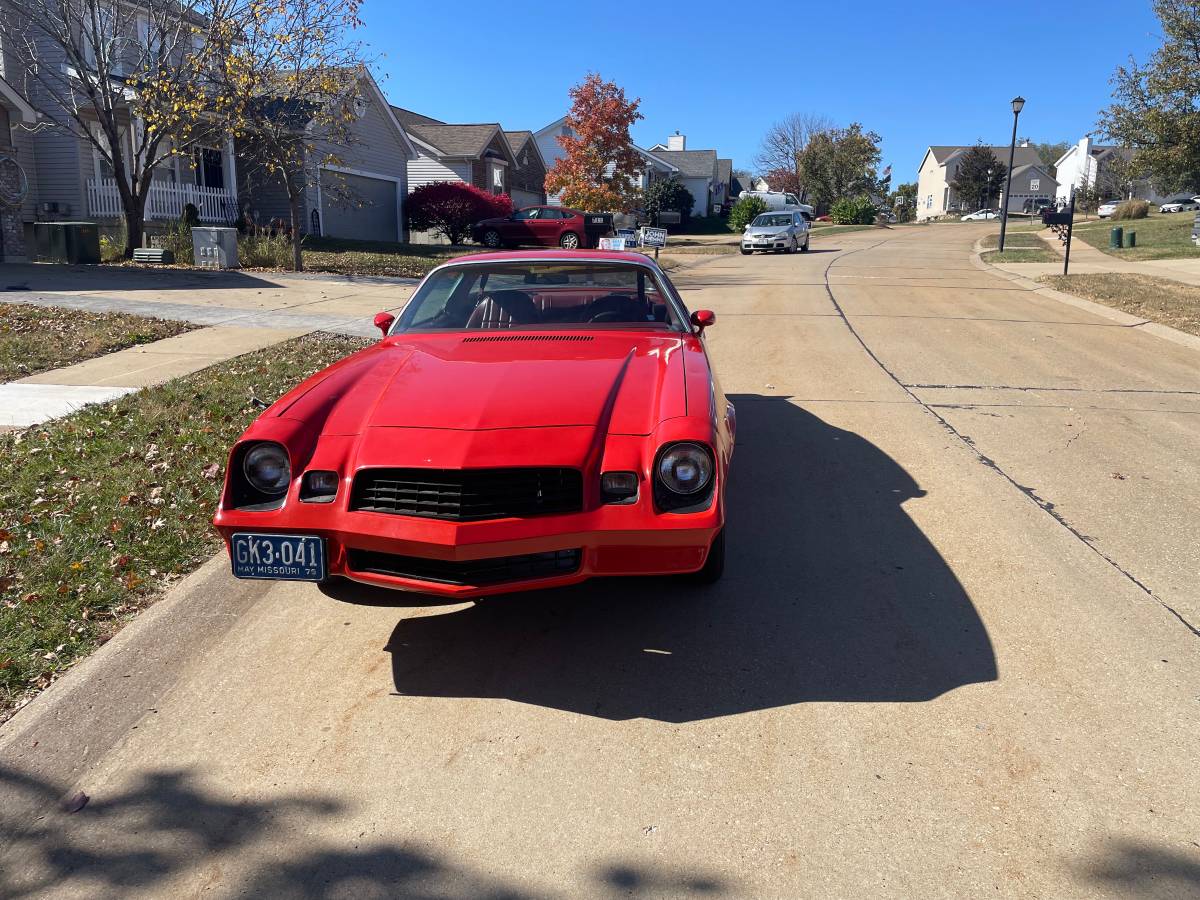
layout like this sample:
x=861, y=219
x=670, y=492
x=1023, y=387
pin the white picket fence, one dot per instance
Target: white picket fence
x=165, y=201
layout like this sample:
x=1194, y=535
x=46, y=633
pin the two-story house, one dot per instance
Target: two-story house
x=476, y=153
x=939, y=165
x=1103, y=167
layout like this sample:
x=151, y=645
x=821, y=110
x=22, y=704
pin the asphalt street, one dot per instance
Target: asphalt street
x=955, y=652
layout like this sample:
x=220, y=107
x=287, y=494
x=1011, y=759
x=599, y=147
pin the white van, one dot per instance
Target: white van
x=781, y=201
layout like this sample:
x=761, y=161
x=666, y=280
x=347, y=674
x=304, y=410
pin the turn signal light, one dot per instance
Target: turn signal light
x=319, y=486
x=619, y=487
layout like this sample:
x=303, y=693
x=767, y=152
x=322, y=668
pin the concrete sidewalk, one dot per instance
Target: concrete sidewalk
x=343, y=304
x=59, y=392
x=1087, y=260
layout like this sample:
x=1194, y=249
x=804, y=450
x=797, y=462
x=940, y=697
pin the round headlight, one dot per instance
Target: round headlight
x=685, y=469
x=267, y=468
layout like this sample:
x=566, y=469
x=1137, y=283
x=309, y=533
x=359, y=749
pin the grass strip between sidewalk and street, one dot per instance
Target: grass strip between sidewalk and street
x=36, y=339
x=1019, y=246
x=345, y=257
x=1160, y=300
x=102, y=509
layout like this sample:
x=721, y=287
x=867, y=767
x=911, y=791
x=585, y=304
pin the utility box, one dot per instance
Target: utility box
x=215, y=248
x=67, y=242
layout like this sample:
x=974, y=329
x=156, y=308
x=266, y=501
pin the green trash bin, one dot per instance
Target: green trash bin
x=1115, y=237
x=1131, y=239
x=67, y=242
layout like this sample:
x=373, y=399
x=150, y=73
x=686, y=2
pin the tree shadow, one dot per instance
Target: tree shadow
x=831, y=593
x=168, y=825
x=1135, y=869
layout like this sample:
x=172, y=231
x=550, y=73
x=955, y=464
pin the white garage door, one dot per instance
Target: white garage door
x=358, y=207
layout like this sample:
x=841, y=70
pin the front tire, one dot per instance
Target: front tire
x=745, y=252
x=804, y=249
x=569, y=241
x=714, y=564
x=491, y=238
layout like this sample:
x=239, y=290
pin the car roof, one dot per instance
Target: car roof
x=559, y=256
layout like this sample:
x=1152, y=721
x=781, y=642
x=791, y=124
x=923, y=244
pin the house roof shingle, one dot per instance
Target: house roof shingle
x=455, y=140
x=1022, y=156
x=725, y=170
x=407, y=117
x=1039, y=167
x=691, y=163
x=516, y=139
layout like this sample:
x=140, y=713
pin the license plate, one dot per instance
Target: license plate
x=281, y=557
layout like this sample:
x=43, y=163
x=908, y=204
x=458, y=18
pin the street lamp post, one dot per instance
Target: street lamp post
x=1018, y=104
x=987, y=191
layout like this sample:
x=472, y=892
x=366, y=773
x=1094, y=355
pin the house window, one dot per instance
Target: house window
x=210, y=167
x=497, y=179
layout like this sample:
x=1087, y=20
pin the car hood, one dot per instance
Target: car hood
x=623, y=382
x=768, y=232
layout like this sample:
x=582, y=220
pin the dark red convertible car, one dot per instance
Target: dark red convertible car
x=530, y=420
x=546, y=226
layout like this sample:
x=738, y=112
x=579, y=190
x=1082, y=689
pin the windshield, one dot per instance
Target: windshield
x=538, y=295
x=766, y=220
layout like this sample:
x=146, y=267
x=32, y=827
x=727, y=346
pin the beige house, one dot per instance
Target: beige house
x=936, y=198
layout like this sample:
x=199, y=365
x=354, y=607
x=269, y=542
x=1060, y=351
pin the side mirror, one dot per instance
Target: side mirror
x=702, y=318
x=383, y=321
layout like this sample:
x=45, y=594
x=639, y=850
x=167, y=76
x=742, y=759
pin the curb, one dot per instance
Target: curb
x=51, y=743
x=1167, y=333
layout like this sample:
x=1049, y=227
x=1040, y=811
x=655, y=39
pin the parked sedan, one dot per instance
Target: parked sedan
x=1107, y=208
x=776, y=231
x=981, y=215
x=1179, y=204
x=530, y=421
x=548, y=226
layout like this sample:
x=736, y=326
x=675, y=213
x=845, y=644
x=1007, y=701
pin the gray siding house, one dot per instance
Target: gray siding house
x=361, y=196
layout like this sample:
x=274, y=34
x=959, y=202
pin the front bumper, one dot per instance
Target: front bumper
x=536, y=552
x=772, y=244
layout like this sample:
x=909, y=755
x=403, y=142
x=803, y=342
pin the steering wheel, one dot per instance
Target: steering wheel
x=615, y=308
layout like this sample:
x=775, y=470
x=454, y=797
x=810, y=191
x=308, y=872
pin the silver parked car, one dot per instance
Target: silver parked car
x=1179, y=204
x=775, y=231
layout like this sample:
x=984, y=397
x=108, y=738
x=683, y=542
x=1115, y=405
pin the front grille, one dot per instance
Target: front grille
x=468, y=495
x=472, y=572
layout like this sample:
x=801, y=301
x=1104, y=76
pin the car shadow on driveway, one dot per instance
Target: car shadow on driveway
x=831, y=593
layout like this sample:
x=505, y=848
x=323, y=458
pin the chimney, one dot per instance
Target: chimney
x=677, y=141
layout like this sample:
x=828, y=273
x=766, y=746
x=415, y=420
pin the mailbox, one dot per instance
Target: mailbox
x=1056, y=218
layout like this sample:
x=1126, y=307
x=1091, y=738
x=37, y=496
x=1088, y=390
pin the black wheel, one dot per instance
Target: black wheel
x=491, y=238
x=793, y=248
x=569, y=241
x=804, y=249
x=714, y=565
x=745, y=252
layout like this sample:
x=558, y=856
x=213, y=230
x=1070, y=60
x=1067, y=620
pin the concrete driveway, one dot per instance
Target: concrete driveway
x=954, y=654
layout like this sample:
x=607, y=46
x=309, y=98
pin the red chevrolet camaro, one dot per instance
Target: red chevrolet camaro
x=530, y=420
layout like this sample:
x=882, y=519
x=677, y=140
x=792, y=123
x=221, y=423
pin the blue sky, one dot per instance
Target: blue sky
x=917, y=73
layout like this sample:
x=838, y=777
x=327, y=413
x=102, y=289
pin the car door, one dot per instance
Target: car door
x=544, y=229
x=517, y=230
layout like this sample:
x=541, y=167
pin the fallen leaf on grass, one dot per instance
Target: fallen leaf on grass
x=211, y=472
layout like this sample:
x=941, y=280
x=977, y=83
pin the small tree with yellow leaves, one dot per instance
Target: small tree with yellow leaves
x=127, y=77
x=290, y=77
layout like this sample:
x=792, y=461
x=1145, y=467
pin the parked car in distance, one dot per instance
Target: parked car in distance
x=1179, y=204
x=1037, y=205
x=825, y=218
x=885, y=216
x=1107, y=208
x=776, y=231
x=980, y=215
x=546, y=226
x=530, y=420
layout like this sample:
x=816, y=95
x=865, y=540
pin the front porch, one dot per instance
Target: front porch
x=166, y=201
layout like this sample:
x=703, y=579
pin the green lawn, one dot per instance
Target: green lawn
x=376, y=257
x=1159, y=236
x=38, y=338
x=102, y=509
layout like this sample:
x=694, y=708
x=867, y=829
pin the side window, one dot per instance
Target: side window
x=791, y=198
x=551, y=214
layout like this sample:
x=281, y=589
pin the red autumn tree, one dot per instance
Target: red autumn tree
x=784, y=180
x=597, y=174
x=450, y=208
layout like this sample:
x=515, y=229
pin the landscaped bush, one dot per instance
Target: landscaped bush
x=265, y=251
x=1132, y=209
x=744, y=211
x=450, y=208
x=668, y=194
x=853, y=211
